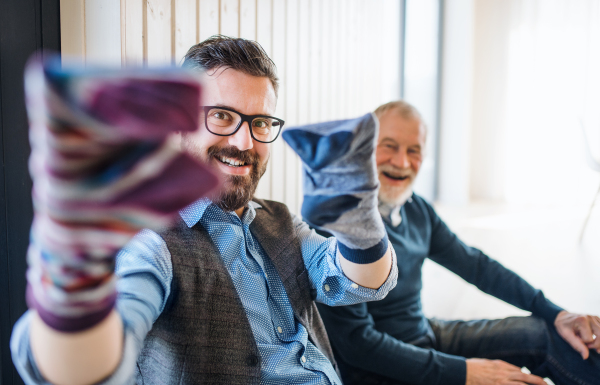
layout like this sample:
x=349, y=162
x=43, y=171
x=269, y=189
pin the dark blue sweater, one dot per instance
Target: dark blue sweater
x=370, y=335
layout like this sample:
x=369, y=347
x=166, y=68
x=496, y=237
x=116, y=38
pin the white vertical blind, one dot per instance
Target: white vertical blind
x=133, y=32
x=103, y=31
x=159, y=37
x=278, y=148
x=208, y=18
x=292, y=82
x=72, y=30
x=336, y=59
x=230, y=17
x=185, y=26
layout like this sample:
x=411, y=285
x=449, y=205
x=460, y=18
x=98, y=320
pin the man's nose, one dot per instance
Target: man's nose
x=242, y=139
x=401, y=160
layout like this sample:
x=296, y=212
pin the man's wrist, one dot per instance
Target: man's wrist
x=544, y=308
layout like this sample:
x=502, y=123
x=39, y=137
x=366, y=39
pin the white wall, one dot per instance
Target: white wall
x=517, y=79
x=336, y=59
x=456, y=102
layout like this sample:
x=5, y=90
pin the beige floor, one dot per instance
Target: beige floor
x=541, y=243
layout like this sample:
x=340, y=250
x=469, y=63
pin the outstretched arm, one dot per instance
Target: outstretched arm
x=102, y=155
x=358, y=343
x=487, y=274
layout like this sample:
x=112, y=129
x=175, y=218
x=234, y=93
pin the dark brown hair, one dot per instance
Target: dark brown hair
x=239, y=54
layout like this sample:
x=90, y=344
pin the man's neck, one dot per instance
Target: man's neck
x=240, y=212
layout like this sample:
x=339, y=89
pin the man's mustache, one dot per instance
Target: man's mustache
x=396, y=172
x=232, y=152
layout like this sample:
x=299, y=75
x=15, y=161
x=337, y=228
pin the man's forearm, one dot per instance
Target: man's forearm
x=78, y=358
x=371, y=275
x=353, y=334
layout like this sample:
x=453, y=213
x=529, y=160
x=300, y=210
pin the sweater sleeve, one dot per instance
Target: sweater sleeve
x=352, y=332
x=485, y=273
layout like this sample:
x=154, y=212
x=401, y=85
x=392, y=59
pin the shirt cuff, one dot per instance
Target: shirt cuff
x=373, y=294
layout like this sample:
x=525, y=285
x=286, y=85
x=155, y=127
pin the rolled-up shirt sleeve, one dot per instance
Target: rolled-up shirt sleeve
x=145, y=274
x=332, y=287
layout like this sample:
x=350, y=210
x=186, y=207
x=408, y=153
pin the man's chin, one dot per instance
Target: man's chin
x=395, y=197
x=236, y=191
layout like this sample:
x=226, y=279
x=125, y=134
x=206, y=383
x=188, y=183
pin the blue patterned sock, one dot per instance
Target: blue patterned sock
x=341, y=184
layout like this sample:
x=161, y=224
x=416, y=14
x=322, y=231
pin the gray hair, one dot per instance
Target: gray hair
x=404, y=109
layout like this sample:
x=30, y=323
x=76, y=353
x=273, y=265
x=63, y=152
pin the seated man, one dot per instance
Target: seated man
x=226, y=296
x=391, y=341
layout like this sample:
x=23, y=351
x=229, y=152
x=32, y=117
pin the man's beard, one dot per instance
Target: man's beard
x=237, y=190
x=395, y=195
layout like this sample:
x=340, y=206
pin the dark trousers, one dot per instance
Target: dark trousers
x=521, y=341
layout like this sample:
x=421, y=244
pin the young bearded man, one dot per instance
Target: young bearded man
x=391, y=342
x=226, y=296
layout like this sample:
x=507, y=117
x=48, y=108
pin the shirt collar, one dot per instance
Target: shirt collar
x=392, y=213
x=193, y=213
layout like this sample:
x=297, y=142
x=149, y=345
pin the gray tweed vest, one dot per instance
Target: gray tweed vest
x=203, y=336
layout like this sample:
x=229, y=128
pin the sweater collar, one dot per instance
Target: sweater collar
x=391, y=214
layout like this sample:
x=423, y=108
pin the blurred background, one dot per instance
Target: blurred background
x=510, y=90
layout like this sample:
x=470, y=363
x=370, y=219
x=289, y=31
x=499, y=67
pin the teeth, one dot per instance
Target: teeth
x=232, y=162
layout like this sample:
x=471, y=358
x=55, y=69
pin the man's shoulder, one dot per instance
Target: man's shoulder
x=418, y=204
x=272, y=207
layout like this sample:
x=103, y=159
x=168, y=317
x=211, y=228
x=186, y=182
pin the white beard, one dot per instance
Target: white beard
x=394, y=198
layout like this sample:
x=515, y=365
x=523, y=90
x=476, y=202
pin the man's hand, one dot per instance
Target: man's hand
x=340, y=193
x=580, y=331
x=497, y=372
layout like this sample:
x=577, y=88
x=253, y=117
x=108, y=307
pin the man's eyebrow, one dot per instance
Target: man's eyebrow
x=388, y=140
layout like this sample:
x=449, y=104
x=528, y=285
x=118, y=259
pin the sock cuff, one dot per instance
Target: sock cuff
x=365, y=256
x=72, y=324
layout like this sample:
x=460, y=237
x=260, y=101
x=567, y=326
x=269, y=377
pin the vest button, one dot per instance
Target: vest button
x=252, y=360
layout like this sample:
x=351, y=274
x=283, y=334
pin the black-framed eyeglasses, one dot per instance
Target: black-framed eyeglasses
x=223, y=121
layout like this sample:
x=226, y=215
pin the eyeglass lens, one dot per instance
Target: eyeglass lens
x=224, y=122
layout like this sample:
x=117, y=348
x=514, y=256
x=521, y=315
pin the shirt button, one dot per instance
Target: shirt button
x=252, y=360
x=327, y=288
x=354, y=286
x=279, y=329
x=303, y=359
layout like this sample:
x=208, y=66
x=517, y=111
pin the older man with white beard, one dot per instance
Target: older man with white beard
x=392, y=342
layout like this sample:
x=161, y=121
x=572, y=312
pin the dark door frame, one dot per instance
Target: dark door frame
x=26, y=26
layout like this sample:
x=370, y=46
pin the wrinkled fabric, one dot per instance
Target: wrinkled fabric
x=104, y=165
x=341, y=184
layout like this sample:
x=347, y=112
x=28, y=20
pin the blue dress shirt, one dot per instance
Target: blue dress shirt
x=145, y=270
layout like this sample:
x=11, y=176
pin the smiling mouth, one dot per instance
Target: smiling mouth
x=231, y=162
x=395, y=177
